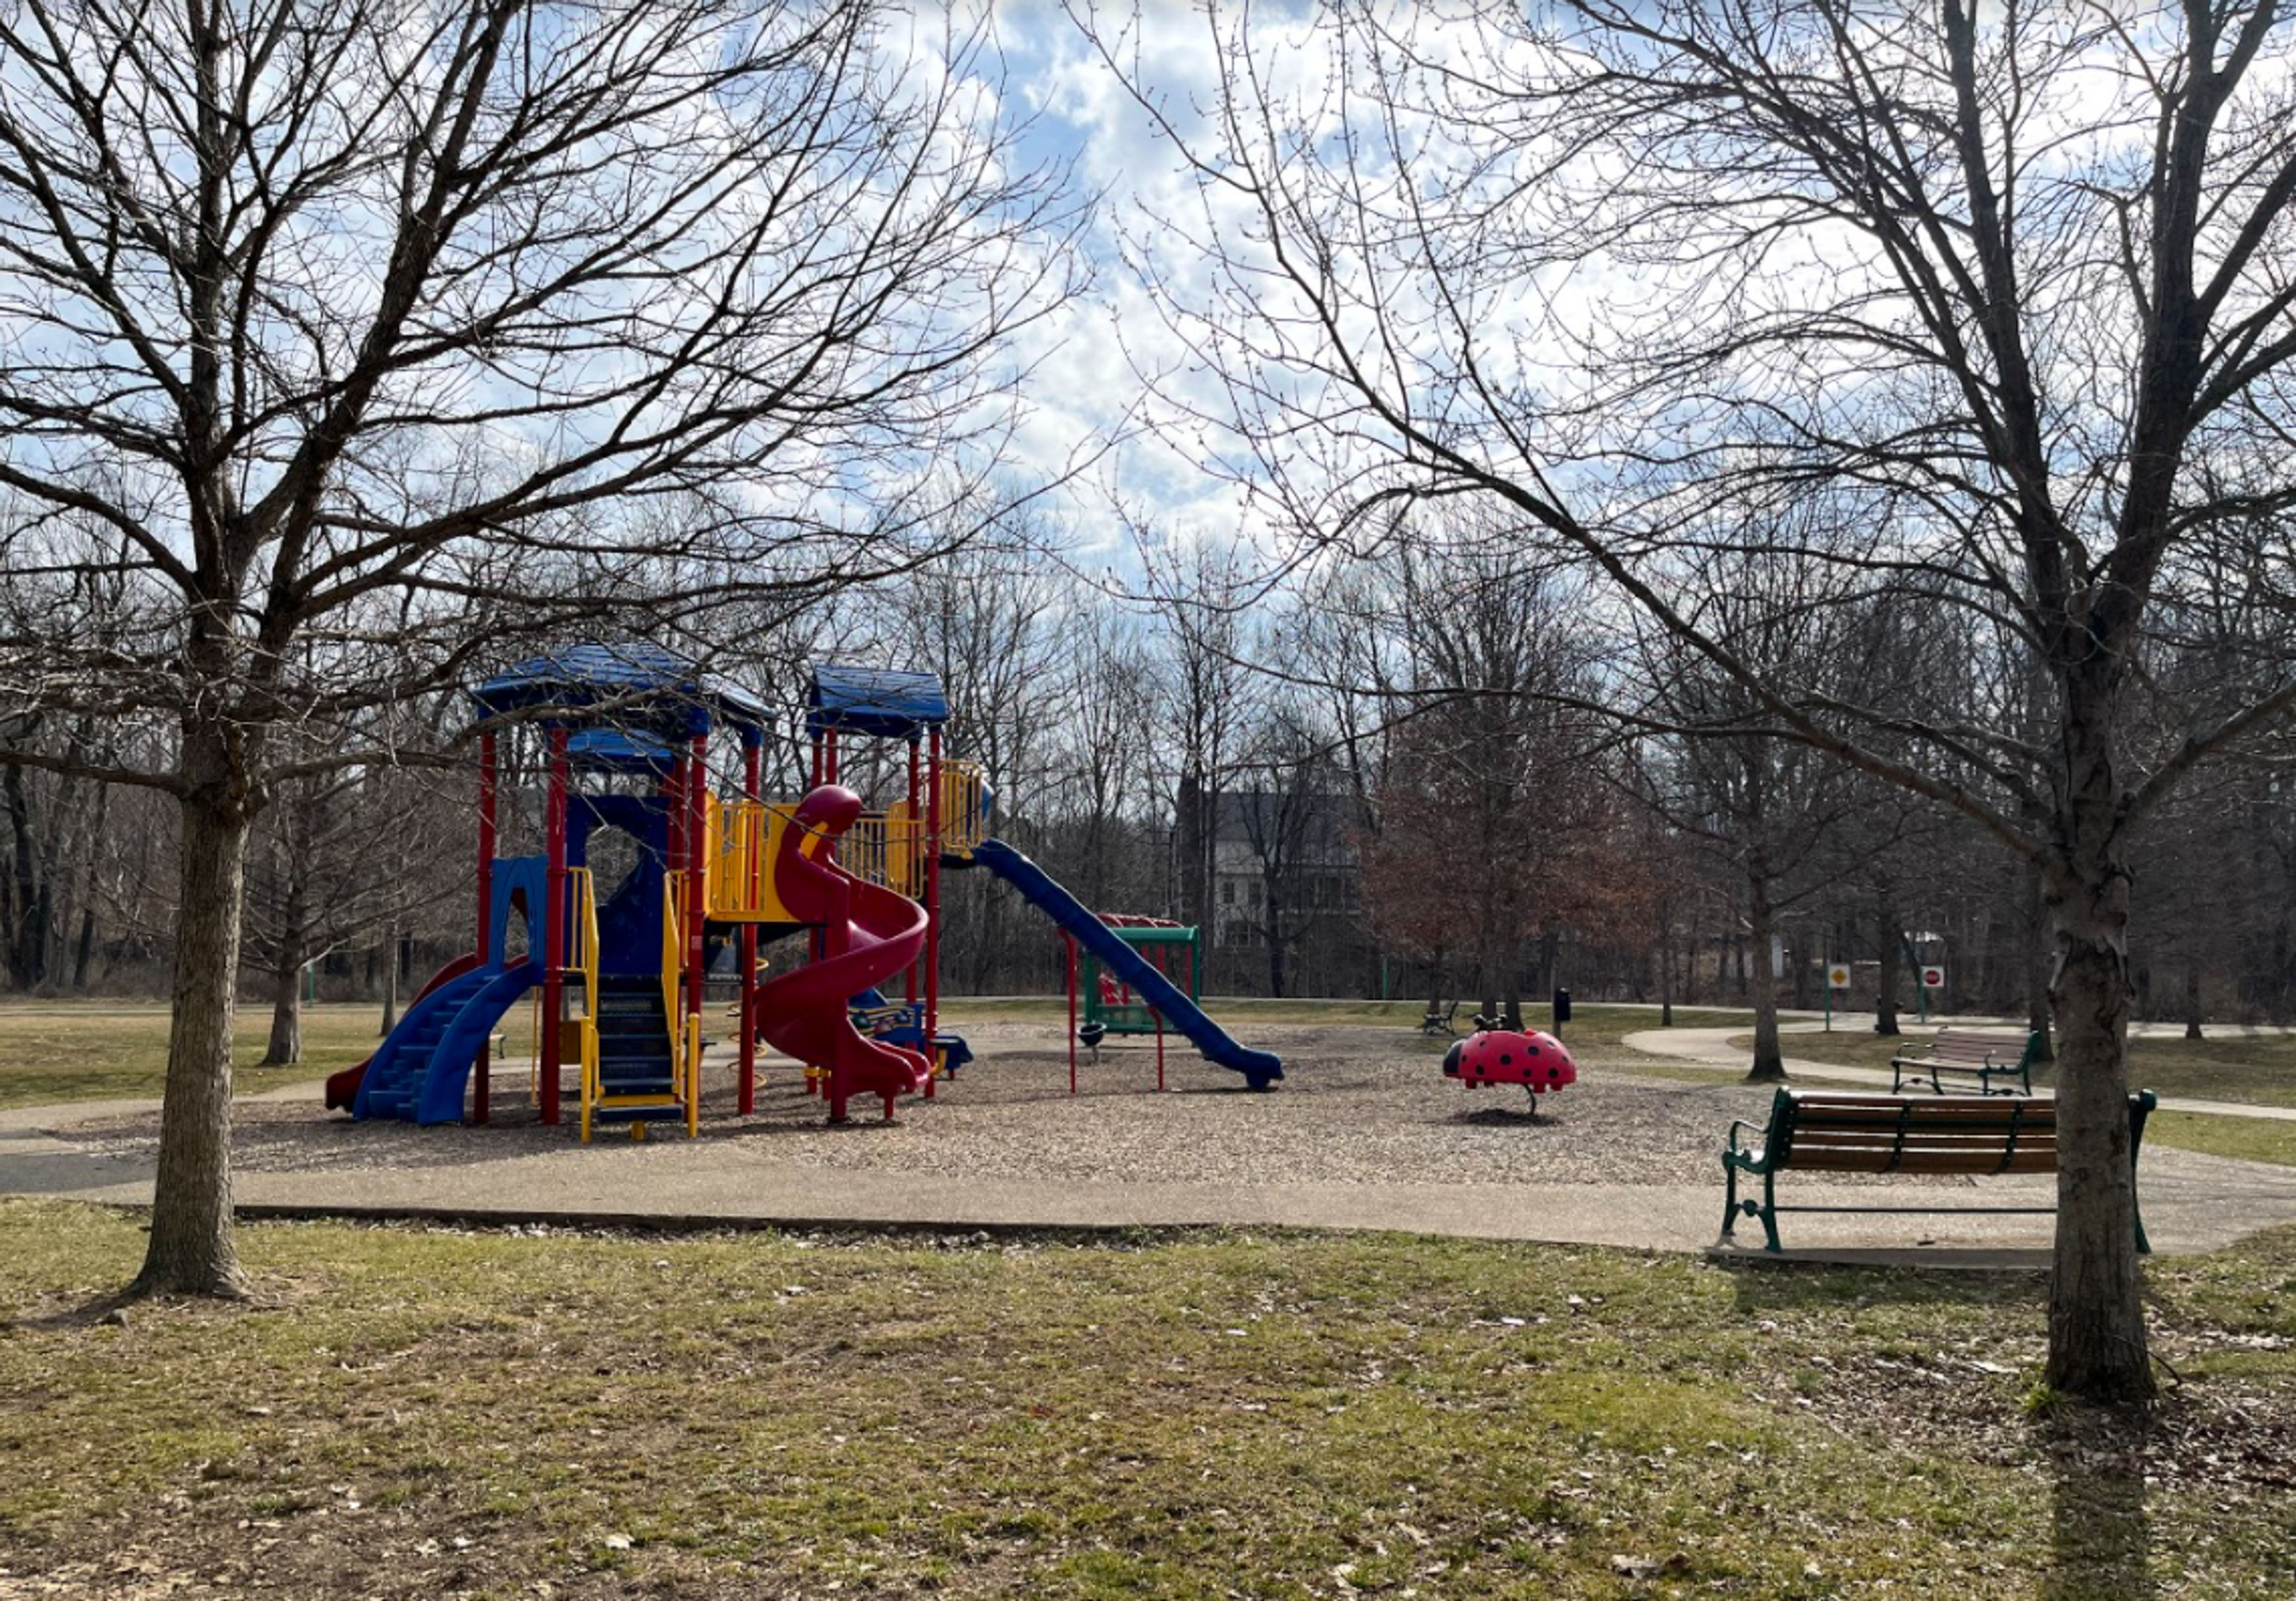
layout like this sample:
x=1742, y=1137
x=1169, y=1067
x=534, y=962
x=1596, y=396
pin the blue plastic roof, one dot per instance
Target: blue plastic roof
x=618, y=751
x=873, y=700
x=641, y=685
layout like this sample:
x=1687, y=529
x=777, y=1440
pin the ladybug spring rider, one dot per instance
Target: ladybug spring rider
x=1538, y=1061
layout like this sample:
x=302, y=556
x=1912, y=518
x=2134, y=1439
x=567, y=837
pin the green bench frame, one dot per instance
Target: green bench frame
x=1979, y=1053
x=1840, y=1132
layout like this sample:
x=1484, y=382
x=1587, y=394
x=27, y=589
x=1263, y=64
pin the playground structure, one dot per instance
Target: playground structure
x=1109, y=1005
x=1539, y=1063
x=625, y=735
x=1170, y=946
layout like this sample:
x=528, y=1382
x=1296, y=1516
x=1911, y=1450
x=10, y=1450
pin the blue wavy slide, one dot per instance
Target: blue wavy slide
x=1216, y=1045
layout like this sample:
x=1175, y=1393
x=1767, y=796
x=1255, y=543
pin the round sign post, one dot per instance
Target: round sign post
x=1837, y=977
x=1933, y=981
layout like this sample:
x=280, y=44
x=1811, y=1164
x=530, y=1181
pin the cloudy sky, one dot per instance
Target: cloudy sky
x=1086, y=386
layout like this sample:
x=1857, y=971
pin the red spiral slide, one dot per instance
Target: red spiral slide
x=868, y=934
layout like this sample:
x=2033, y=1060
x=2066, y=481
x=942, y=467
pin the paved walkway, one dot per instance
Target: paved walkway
x=1712, y=1047
x=2192, y=1202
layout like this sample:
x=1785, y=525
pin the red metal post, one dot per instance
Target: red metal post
x=820, y=768
x=1165, y=969
x=915, y=823
x=932, y=890
x=482, y=1087
x=697, y=850
x=1069, y=941
x=553, y=922
x=752, y=752
x=813, y=941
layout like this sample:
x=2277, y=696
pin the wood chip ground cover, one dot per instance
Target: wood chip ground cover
x=443, y=1413
x=1361, y=1106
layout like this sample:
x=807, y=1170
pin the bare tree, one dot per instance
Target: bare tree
x=989, y=623
x=336, y=858
x=1205, y=695
x=349, y=337
x=2014, y=284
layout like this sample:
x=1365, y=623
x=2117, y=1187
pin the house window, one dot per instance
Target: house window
x=1227, y=892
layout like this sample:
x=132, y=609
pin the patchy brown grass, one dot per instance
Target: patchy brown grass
x=439, y=1414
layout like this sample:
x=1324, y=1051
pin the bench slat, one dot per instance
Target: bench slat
x=1936, y=1162
x=1992, y=1138
x=1916, y=1119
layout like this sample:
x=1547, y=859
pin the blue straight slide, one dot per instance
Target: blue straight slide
x=1261, y=1068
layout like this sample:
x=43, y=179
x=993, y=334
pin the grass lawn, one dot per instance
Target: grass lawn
x=100, y=1050
x=439, y=1414
x=2250, y=1139
x=2258, y=1066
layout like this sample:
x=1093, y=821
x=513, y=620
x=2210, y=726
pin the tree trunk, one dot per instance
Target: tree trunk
x=2038, y=943
x=2097, y=1319
x=191, y=1251
x=27, y=941
x=1770, y=1064
x=2193, y=1000
x=1885, y=1001
x=84, y=953
x=1275, y=944
x=285, y=1046
x=389, y=982
x=1665, y=974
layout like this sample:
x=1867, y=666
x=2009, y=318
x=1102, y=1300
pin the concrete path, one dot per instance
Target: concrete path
x=2192, y=1202
x=1711, y=1048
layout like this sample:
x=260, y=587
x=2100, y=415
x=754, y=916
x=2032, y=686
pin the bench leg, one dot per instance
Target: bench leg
x=1770, y=1210
x=1729, y=1197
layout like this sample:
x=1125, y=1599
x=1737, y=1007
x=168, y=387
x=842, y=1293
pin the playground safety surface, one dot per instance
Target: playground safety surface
x=1363, y=1134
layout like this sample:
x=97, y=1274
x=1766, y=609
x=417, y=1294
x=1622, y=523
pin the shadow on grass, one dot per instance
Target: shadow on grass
x=2100, y=1533
x=1774, y=1287
x=112, y=1306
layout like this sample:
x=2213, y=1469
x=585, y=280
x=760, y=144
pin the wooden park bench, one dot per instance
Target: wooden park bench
x=1440, y=1022
x=1843, y=1132
x=1977, y=1054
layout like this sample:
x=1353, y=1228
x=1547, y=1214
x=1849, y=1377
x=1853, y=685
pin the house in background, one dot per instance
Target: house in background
x=1287, y=894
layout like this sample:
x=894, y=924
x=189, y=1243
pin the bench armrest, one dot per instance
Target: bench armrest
x=1736, y=1124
